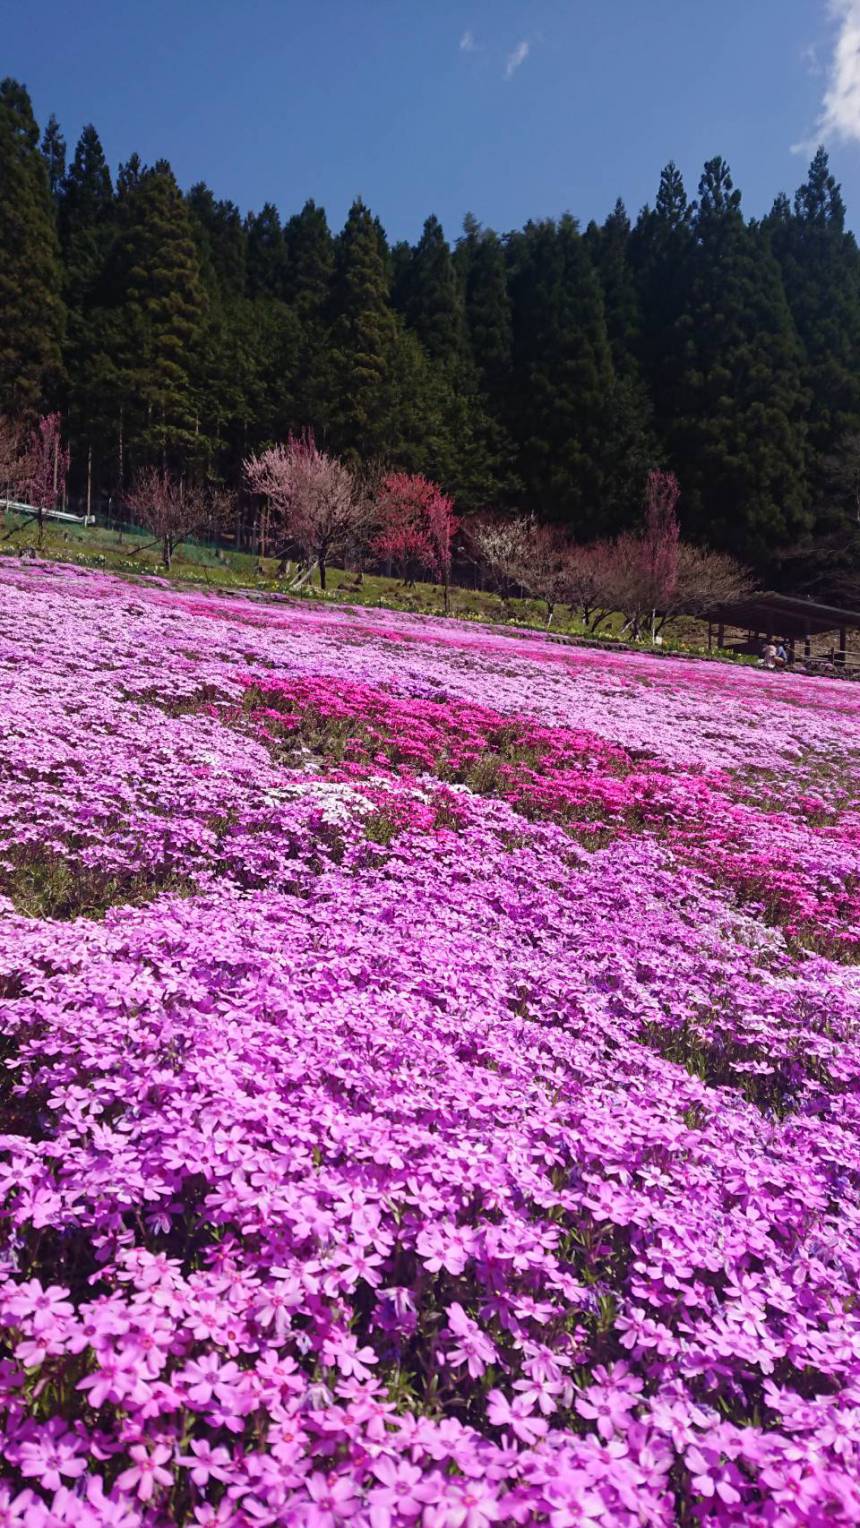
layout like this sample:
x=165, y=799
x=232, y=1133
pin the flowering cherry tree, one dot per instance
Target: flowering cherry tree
x=522, y=553
x=173, y=510
x=416, y=527
x=315, y=499
x=660, y=541
x=11, y=465
x=45, y=467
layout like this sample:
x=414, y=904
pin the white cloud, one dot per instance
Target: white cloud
x=840, y=109
x=519, y=56
x=467, y=42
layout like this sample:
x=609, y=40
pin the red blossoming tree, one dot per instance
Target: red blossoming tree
x=416, y=527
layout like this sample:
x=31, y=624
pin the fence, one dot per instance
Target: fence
x=202, y=550
x=16, y=507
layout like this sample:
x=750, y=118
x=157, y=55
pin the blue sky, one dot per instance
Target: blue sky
x=508, y=108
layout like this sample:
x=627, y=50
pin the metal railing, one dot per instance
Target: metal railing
x=17, y=507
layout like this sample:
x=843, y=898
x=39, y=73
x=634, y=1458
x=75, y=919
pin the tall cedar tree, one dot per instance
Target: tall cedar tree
x=267, y=259
x=480, y=262
x=54, y=155
x=432, y=303
x=32, y=316
x=470, y=447
x=364, y=342
x=609, y=248
x=310, y=263
x=87, y=228
x=159, y=298
x=222, y=241
x=737, y=439
x=659, y=251
x=820, y=266
x=229, y=355
x=563, y=372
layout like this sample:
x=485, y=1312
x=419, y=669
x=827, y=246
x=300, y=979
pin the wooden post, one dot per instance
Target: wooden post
x=843, y=643
x=710, y=635
x=807, y=646
x=89, y=479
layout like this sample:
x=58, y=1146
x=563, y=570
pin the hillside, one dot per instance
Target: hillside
x=430, y=1073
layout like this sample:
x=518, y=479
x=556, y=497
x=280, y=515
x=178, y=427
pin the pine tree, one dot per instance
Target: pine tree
x=563, y=372
x=310, y=258
x=86, y=220
x=87, y=228
x=54, y=155
x=129, y=176
x=820, y=266
x=660, y=255
x=480, y=262
x=609, y=248
x=431, y=301
x=364, y=342
x=31, y=308
x=159, y=302
x=226, y=363
x=310, y=261
x=486, y=456
x=221, y=241
x=737, y=442
x=267, y=257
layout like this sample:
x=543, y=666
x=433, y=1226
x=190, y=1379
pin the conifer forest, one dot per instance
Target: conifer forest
x=546, y=369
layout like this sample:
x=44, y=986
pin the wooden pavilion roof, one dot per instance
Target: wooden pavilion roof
x=784, y=614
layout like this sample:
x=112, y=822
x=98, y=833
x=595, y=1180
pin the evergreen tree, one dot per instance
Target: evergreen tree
x=364, y=343
x=32, y=316
x=820, y=266
x=660, y=255
x=87, y=229
x=159, y=303
x=737, y=441
x=480, y=261
x=267, y=258
x=227, y=363
x=563, y=372
x=432, y=302
x=54, y=155
x=86, y=214
x=310, y=272
x=310, y=261
x=609, y=248
x=221, y=242
x=487, y=467
x=129, y=176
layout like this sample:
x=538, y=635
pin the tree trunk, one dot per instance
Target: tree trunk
x=321, y=565
x=166, y=551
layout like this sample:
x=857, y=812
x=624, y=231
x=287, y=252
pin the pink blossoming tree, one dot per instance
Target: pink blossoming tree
x=45, y=467
x=314, y=499
x=172, y=510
